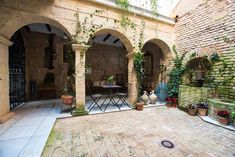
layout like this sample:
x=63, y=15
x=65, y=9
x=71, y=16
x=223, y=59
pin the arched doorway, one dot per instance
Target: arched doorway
x=107, y=59
x=37, y=65
x=156, y=53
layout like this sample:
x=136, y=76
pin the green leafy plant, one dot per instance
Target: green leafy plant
x=175, y=75
x=110, y=79
x=139, y=68
x=233, y=115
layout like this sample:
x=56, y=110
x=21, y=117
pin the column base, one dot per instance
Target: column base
x=79, y=111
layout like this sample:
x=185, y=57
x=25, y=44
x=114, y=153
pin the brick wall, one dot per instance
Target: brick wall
x=210, y=25
x=106, y=60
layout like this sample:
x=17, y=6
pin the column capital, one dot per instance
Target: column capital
x=129, y=55
x=80, y=47
x=5, y=41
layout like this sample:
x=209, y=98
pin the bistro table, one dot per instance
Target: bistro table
x=109, y=95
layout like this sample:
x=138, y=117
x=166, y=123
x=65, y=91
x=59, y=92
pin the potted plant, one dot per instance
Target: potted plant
x=67, y=96
x=138, y=66
x=202, y=108
x=192, y=109
x=223, y=117
x=233, y=117
x=169, y=102
x=110, y=80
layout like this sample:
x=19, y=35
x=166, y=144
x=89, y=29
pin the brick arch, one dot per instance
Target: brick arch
x=163, y=45
x=126, y=42
x=17, y=22
x=198, y=53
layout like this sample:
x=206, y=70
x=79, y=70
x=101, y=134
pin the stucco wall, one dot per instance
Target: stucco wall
x=210, y=27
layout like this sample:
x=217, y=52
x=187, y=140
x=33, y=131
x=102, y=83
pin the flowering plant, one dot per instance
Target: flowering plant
x=223, y=113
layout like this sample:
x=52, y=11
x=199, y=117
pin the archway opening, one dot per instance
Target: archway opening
x=156, y=53
x=107, y=72
x=38, y=63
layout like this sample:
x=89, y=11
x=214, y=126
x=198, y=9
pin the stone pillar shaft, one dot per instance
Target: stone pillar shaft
x=80, y=74
x=4, y=76
x=132, y=79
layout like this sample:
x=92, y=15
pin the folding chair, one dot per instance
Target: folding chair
x=123, y=96
x=95, y=98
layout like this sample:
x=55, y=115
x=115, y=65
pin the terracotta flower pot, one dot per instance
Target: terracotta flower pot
x=67, y=99
x=139, y=106
x=192, y=112
x=168, y=105
x=223, y=120
x=202, y=111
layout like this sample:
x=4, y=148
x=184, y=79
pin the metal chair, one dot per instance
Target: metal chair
x=123, y=96
x=95, y=98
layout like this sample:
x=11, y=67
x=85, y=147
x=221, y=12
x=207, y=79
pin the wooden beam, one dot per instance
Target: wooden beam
x=48, y=27
x=106, y=37
x=115, y=41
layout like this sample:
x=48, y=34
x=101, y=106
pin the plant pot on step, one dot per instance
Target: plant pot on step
x=67, y=99
x=139, y=106
x=192, y=112
x=202, y=111
x=223, y=120
x=168, y=104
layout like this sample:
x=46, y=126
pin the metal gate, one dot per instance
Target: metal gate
x=17, y=70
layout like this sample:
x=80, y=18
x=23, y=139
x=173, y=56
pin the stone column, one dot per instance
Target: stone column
x=80, y=56
x=132, y=79
x=4, y=76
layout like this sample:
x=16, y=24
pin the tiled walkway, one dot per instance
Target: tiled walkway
x=139, y=133
x=26, y=133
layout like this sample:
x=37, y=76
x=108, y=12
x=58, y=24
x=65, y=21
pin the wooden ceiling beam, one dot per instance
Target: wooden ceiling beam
x=106, y=37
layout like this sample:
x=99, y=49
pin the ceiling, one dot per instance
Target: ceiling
x=106, y=39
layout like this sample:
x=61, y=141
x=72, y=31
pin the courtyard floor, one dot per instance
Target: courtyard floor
x=135, y=133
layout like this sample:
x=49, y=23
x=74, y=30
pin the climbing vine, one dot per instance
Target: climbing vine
x=85, y=29
x=139, y=60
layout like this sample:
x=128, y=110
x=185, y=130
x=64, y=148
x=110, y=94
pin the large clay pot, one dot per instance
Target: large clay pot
x=152, y=97
x=202, y=111
x=223, y=120
x=67, y=99
x=139, y=106
x=145, y=97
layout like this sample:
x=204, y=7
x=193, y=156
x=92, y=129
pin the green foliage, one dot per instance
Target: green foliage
x=139, y=60
x=139, y=68
x=154, y=7
x=233, y=115
x=86, y=28
x=175, y=75
x=124, y=4
x=110, y=78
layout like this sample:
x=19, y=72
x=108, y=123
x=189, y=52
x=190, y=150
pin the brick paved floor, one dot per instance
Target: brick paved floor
x=135, y=133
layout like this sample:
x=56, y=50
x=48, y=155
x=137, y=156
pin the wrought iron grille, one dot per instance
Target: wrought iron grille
x=17, y=70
